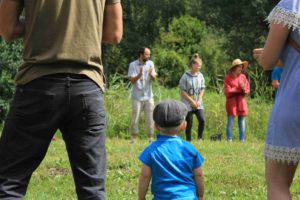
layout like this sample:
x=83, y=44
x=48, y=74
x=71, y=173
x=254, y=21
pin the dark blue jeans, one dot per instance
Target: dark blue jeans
x=201, y=122
x=75, y=105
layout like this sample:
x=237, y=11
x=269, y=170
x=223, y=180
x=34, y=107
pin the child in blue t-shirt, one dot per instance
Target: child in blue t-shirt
x=276, y=76
x=173, y=163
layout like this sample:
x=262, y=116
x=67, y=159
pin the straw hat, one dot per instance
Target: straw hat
x=238, y=61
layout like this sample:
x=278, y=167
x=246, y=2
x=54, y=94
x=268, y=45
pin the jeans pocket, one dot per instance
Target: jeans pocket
x=31, y=108
x=93, y=109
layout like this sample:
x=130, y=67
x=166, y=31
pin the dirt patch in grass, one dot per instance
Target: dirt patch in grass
x=59, y=171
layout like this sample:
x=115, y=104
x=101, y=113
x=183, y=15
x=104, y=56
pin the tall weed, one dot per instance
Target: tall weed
x=118, y=107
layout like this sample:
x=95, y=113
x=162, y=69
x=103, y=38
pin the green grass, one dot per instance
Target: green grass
x=118, y=107
x=233, y=171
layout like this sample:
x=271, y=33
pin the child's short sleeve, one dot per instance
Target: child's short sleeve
x=198, y=161
x=182, y=83
x=145, y=157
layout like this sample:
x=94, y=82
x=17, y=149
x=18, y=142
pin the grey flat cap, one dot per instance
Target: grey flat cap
x=169, y=113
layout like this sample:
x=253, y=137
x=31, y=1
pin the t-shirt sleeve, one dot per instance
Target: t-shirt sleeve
x=286, y=12
x=131, y=71
x=145, y=157
x=153, y=68
x=112, y=1
x=182, y=83
x=198, y=160
x=202, y=82
x=275, y=74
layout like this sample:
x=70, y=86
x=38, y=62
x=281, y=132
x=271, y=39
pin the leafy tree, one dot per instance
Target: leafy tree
x=185, y=36
x=10, y=57
x=243, y=23
x=143, y=20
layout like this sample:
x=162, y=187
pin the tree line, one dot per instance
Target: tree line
x=219, y=30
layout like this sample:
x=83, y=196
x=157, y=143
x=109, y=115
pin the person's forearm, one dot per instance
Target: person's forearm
x=187, y=97
x=113, y=24
x=12, y=26
x=200, y=185
x=143, y=188
x=153, y=77
x=19, y=30
x=134, y=79
x=275, y=42
x=16, y=32
x=201, y=94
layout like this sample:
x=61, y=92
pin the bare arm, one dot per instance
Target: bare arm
x=268, y=56
x=200, y=96
x=275, y=84
x=185, y=95
x=113, y=24
x=134, y=79
x=144, y=181
x=11, y=26
x=199, y=179
x=152, y=76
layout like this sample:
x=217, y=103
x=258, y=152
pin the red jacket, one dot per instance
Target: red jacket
x=236, y=104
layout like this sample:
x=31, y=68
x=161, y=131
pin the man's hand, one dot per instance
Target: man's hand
x=153, y=77
x=150, y=71
x=257, y=53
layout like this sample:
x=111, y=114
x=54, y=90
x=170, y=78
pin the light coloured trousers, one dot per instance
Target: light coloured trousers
x=147, y=107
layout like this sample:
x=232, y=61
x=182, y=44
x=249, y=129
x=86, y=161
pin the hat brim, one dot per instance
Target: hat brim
x=244, y=63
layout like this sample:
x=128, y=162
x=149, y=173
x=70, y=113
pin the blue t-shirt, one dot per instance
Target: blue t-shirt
x=276, y=73
x=172, y=161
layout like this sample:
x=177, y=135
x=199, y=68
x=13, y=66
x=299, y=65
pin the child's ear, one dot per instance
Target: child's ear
x=182, y=126
x=157, y=126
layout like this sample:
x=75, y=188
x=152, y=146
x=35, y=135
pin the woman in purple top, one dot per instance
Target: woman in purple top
x=282, y=149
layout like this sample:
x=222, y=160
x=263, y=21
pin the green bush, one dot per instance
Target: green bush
x=10, y=58
x=170, y=67
x=185, y=36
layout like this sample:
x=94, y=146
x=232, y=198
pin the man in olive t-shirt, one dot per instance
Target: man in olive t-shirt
x=60, y=85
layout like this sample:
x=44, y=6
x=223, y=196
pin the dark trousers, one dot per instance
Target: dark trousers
x=189, y=120
x=71, y=103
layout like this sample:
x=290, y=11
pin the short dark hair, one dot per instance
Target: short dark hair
x=142, y=50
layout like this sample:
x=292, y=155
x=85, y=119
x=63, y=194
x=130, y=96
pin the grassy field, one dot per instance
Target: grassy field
x=118, y=107
x=232, y=171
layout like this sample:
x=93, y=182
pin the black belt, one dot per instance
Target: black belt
x=67, y=75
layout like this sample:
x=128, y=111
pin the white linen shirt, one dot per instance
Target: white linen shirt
x=142, y=89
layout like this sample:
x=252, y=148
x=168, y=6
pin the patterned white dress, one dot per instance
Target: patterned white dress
x=283, y=135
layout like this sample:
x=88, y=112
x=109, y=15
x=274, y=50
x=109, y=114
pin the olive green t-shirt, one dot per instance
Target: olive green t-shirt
x=63, y=37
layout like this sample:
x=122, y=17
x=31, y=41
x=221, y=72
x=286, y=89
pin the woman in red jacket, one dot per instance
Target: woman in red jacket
x=236, y=87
